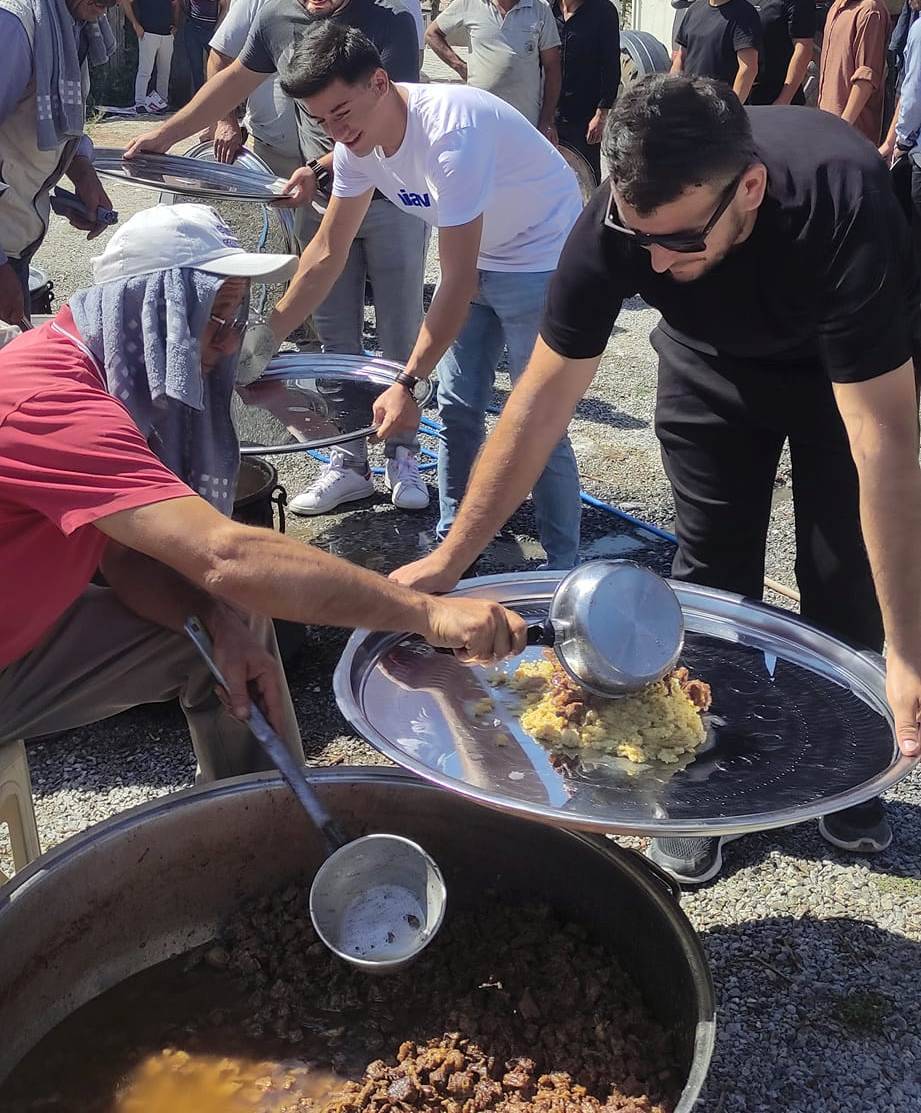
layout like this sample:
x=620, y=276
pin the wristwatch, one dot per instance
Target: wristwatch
x=323, y=176
x=410, y=382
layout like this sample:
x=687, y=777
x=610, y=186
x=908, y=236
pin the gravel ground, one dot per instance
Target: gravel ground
x=814, y=953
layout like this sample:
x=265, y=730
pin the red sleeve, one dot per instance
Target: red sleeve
x=75, y=456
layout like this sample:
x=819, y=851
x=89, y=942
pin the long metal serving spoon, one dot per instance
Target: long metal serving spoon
x=377, y=901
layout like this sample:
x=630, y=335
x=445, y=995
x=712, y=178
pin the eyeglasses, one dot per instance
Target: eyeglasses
x=685, y=243
x=235, y=328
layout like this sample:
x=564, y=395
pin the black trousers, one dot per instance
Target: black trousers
x=572, y=134
x=721, y=424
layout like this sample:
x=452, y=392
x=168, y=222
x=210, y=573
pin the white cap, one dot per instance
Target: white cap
x=194, y=236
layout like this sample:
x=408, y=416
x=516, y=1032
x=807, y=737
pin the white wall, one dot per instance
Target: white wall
x=656, y=17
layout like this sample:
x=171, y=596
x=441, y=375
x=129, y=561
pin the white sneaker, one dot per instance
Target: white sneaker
x=156, y=103
x=337, y=484
x=407, y=487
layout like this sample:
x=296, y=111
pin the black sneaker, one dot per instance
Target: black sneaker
x=690, y=861
x=863, y=828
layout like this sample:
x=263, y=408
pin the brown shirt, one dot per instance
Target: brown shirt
x=854, y=49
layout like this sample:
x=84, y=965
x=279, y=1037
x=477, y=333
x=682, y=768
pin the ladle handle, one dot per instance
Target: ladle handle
x=541, y=633
x=294, y=773
x=276, y=750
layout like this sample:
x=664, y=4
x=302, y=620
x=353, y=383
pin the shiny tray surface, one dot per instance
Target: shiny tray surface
x=191, y=177
x=799, y=724
x=307, y=400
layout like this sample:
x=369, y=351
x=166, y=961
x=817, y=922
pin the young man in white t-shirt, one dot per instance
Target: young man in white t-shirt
x=503, y=200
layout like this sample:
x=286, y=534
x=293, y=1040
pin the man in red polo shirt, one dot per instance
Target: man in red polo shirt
x=80, y=490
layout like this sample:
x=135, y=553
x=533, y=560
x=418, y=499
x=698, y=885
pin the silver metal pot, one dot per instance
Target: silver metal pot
x=159, y=879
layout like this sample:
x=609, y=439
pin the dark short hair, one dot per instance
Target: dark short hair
x=325, y=53
x=668, y=134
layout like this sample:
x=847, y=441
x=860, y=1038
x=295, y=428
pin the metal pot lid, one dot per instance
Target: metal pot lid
x=311, y=400
x=585, y=175
x=249, y=160
x=799, y=724
x=617, y=626
x=191, y=177
x=37, y=279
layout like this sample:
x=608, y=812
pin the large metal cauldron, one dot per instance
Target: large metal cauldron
x=159, y=879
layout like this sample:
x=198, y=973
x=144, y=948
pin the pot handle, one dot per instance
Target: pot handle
x=659, y=875
x=664, y=879
x=279, y=497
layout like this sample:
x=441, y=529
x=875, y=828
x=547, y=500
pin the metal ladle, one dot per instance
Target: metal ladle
x=614, y=625
x=377, y=901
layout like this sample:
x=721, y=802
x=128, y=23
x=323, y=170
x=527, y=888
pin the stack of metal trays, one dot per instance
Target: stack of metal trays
x=191, y=177
x=799, y=725
x=310, y=400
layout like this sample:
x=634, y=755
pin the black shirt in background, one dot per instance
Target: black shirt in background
x=155, y=16
x=204, y=11
x=827, y=278
x=590, y=54
x=782, y=21
x=680, y=8
x=713, y=36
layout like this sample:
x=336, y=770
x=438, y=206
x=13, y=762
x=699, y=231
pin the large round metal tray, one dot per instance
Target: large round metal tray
x=189, y=176
x=310, y=400
x=249, y=161
x=799, y=724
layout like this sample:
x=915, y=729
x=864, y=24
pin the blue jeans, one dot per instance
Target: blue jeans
x=388, y=249
x=505, y=312
x=196, y=34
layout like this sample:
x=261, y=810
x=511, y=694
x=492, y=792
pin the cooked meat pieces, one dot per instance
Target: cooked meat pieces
x=477, y=1084
x=572, y=701
x=697, y=691
x=661, y=722
x=526, y=996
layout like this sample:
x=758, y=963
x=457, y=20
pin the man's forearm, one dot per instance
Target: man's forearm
x=264, y=572
x=553, y=83
x=216, y=64
x=856, y=101
x=796, y=71
x=745, y=79
x=533, y=420
x=217, y=97
x=443, y=50
x=881, y=418
x=151, y=590
x=127, y=6
x=441, y=325
x=890, y=513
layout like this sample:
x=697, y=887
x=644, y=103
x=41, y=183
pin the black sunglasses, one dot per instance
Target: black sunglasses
x=685, y=243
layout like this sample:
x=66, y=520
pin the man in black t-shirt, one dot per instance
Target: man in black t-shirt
x=154, y=23
x=201, y=20
x=790, y=312
x=788, y=27
x=590, y=50
x=720, y=40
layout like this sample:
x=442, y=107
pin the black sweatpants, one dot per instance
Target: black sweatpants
x=721, y=424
